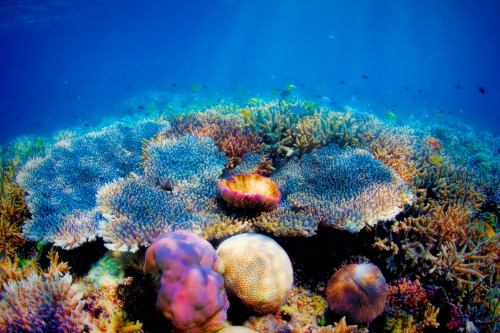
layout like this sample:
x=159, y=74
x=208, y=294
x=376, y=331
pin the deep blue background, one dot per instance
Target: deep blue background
x=63, y=63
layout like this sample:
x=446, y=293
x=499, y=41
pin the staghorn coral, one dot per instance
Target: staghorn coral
x=13, y=210
x=62, y=185
x=295, y=129
x=192, y=293
x=346, y=189
x=257, y=271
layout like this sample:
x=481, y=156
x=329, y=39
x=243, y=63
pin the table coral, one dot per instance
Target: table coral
x=257, y=271
x=346, y=189
x=62, y=185
x=179, y=173
x=192, y=290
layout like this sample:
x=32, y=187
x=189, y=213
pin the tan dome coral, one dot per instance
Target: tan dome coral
x=257, y=271
x=250, y=191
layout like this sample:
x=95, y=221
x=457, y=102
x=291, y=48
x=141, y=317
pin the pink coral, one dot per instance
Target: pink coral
x=192, y=292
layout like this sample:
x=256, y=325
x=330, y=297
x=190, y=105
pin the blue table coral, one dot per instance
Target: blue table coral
x=62, y=185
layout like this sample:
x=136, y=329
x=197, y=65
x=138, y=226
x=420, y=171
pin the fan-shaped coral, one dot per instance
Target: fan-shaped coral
x=357, y=291
x=192, y=290
x=250, y=191
x=257, y=271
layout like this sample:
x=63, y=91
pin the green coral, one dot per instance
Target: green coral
x=400, y=324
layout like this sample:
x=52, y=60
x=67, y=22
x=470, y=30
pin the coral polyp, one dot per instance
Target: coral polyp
x=250, y=191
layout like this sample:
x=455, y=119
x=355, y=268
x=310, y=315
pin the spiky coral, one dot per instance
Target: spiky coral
x=407, y=299
x=13, y=211
x=43, y=302
x=296, y=129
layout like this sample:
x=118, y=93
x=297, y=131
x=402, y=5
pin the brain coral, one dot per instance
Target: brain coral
x=357, y=291
x=343, y=188
x=62, y=185
x=257, y=271
x=192, y=293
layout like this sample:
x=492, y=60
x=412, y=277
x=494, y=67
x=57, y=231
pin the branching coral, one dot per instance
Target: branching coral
x=406, y=298
x=13, y=211
x=296, y=129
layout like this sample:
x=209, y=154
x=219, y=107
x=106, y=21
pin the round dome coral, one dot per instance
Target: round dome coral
x=257, y=271
x=250, y=191
x=357, y=291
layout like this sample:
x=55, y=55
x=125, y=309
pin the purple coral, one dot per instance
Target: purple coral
x=192, y=292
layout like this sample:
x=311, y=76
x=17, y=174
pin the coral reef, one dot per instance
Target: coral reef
x=192, y=290
x=357, y=291
x=250, y=191
x=257, y=271
x=62, y=185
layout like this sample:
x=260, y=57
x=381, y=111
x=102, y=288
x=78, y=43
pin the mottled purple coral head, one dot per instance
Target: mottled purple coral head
x=192, y=292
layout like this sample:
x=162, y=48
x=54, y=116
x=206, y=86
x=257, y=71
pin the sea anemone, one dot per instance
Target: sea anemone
x=357, y=291
x=250, y=191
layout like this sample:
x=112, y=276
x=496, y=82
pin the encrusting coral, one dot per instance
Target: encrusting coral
x=192, y=293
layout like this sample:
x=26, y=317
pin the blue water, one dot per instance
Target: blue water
x=73, y=63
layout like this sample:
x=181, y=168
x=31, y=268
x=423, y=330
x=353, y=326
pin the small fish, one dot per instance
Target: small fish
x=460, y=111
x=341, y=82
x=195, y=87
x=468, y=147
x=481, y=90
x=290, y=87
x=364, y=77
x=392, y=116
x=275, y=92
x=254, y=100
x=152, y=107
x=140, y=107
x=129, y=87
x=246, y=113
x=436, y=159
x=458, y=86
x=331, y=36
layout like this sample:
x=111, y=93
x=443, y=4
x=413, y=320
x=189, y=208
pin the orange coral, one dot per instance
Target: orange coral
x=434, y=143
x=13, y=211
